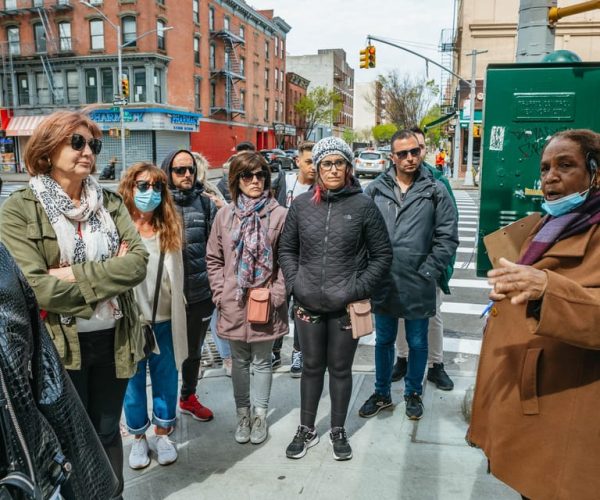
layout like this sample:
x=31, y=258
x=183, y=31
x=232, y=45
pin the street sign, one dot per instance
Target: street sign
x=120, y=102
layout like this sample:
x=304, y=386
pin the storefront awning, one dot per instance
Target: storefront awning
x=23, y=125
x=438, y=121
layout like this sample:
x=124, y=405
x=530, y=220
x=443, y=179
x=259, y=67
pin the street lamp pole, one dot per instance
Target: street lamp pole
x=121, y=97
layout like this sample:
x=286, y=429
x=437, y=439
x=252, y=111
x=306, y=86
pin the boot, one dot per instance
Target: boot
x=242, y=432
x=259, y=426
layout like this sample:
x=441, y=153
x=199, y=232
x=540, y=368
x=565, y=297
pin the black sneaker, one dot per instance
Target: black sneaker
x=400, y=369
x=304, y=439
x=374, y=405
x=296, y=368
x=341, y=446
x=275, y=359
x=439, y=377
x=414, y=406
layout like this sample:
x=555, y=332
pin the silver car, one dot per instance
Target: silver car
x=371, y=163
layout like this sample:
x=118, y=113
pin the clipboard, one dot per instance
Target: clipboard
x=507, y=241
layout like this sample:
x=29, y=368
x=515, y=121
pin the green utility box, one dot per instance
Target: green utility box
x=524, y=105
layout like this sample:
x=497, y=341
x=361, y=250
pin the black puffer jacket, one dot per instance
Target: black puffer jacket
x=424, y=234
x=197, y=213
x=334, y=252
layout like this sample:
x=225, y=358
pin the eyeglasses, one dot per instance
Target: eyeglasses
x=143, y=186
x=183, y=170
x=78, y=143
x=328, y=165
x=402, y=155
x=261, y=175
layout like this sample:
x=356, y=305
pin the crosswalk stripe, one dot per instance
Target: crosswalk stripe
x=464, y=346
x=465, y=250
x=462, y=308
x=460, y=283
x=467, y=229
x=461, y=217
x=466, y=223
x=470, y=239
x=464, y=265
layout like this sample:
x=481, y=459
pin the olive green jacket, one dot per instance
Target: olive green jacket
x=30, y=238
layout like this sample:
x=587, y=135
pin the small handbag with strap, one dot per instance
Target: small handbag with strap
x=360, y=318
x=150, y=344
x=258, y=307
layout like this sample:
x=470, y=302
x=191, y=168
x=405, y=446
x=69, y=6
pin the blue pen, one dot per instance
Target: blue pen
x=487, y=309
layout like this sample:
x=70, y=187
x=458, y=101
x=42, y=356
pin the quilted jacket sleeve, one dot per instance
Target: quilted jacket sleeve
x=379, y=251
x=289, y=248
x=215, y=259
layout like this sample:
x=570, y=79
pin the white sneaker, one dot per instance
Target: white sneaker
x=139, y=455
x=165, y=448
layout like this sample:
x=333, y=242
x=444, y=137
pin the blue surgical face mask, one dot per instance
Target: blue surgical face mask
x=566, y=204
x=147, y=201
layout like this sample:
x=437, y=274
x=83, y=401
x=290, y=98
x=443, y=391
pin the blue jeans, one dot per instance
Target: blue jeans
x=163, y=376
x=386, y=328
x=222, y=344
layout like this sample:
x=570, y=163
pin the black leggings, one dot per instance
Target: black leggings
x=326, y=344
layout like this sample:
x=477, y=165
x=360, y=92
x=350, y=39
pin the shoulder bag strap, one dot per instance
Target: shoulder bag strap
x=161, y=261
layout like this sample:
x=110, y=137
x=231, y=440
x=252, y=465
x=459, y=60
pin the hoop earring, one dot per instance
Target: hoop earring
x=49, y=164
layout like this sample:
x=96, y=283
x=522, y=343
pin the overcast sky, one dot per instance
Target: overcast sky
x=332, y=24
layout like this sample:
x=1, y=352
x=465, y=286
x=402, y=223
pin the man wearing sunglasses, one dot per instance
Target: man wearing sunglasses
x=423, y=229
x=197, y=214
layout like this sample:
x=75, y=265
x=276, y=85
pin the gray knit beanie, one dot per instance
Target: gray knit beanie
x=331, y=146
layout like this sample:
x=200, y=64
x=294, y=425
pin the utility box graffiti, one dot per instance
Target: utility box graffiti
x=525, y=104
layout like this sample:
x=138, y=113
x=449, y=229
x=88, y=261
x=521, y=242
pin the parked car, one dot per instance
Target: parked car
x=371, y=163
x=277, y=159
x=293, y=154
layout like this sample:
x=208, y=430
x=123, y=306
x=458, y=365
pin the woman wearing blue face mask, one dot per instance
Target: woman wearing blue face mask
x=161, y=301
x=537, y=396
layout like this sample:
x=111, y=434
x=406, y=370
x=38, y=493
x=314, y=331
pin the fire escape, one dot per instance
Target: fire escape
x=231, y=73
x=446, y=48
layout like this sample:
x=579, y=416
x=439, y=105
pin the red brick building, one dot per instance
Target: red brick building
x=202, y=74
x=295, y=90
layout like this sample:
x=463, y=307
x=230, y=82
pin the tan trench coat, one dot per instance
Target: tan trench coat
x=536, y=410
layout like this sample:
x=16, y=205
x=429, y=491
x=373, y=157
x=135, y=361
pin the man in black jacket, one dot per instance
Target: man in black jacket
x=197, y=213
x=422, y=224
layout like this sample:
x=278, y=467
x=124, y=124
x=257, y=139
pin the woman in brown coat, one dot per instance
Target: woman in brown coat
x=537, y=397
x=242, y=254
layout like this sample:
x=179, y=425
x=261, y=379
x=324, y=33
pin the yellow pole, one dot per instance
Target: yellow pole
x=557, y=13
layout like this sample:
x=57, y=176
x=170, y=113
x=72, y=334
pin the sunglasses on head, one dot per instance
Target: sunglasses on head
x=78, y=143
x=261, y=175
x=143, y=186
x=183, y=170
x=402, y=155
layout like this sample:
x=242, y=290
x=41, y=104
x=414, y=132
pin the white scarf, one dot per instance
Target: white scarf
x=83, y=233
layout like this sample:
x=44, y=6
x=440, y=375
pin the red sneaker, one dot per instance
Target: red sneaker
x=192, y=407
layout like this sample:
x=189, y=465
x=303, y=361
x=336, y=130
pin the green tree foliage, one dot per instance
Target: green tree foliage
x=433, y=134
x=384, y=132
x=319, y=105
x=350, y=136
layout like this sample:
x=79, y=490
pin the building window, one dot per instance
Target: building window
x=161, y=2
x=242, y=99
x=58, y=88
x=160, y=35
x=242, y=31
x=96, y=34
x=266, y=110
x=211, y=19
x=10, y=4
x=197, y=50
x=108, y=86
x=242, y=66
x=196, y=11
x=129, y=30
x=267, y=78
x=276, y=79
x=276, y=46
x=43, y=93
x=226, y=23
x=266, y=49
x=91, y=86
x=23, y=84
x=14, y=44
x=64, y=32
x=282, y=49
x=213, y=95
x=39, y=35
x=73, y=87
x=139, y=85
x=197, y=94
x=213, y=57
x=158, y=85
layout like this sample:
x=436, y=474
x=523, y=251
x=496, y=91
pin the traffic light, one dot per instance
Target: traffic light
x=125, y=87
x=371, y=56
x=364, y=59
x=476, y=131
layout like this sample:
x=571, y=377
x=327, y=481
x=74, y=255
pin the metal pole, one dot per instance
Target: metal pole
x=472, y=84
x=557, y=13
x=456, y=156
x=121, y=110
x=535, y=34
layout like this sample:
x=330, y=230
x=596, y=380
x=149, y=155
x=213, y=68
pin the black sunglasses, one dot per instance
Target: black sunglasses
x=78, y=143
x=143, y=186
x=183, y=170
x=402, y=155
x=261, y=175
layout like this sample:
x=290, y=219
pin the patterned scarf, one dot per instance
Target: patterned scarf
x=83, y=233
x=559, y=228
x=253, y=251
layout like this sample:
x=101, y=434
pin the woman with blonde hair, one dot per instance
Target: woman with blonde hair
x=161, y=301
x=210, y=189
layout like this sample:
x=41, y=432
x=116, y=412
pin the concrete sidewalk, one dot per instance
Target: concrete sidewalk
x=394, y=458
